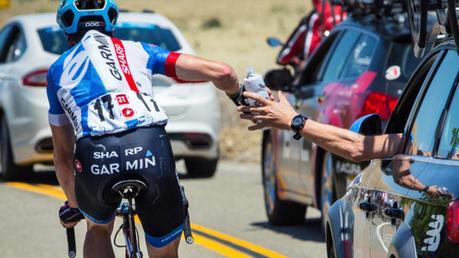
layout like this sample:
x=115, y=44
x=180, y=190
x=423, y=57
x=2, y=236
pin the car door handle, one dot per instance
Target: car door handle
x=368, y=206
x=394, y=213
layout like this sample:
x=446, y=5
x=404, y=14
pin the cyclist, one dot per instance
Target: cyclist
x=106, y=126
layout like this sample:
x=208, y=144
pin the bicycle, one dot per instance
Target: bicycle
x=128, y=190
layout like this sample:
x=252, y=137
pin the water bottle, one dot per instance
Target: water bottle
x=254, y=83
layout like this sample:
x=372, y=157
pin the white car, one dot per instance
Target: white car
x=30, y=44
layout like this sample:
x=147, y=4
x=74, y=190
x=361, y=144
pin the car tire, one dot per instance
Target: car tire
x=279, y=212
x=327, y=189
x=201, y=167
x=8, y=170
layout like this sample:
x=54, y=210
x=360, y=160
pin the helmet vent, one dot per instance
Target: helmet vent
x=67, y=18
x=112, y=15
x=90, y=4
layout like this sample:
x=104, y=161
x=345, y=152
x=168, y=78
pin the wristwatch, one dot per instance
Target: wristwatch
x=297, y=125
x=426, y=188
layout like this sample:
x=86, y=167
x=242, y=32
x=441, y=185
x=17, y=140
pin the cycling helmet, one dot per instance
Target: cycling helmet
x=74, y=16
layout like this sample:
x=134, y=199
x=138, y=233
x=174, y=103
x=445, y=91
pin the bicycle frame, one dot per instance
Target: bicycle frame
x=127, y=212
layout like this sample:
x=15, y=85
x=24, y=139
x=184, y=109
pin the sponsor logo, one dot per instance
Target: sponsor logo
x=393, y=73
x=70, y=112
x=142, y=163
x=128, y=112
x=109, y=169
x=105, y=155
x=75, y=67
x=122, y=99
x=78, y=166
x=433, y=235
x=120, y=53
x=347, y=168
x=133, y=151
x=106, y=53
x=92, y=24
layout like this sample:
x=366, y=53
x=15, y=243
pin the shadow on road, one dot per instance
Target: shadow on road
x=309, y=231
x=42, y=177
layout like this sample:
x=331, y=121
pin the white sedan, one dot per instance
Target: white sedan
x=30, y=44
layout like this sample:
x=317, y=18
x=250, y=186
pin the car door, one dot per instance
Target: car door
x=309, y=95
x=292, y=151
x=394, y=181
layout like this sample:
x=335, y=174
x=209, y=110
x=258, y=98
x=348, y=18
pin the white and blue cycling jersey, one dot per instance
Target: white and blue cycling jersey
x=103, y=85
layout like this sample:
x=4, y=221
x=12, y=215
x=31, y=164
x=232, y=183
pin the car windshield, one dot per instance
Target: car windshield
x=403, y=57
x=54, y=40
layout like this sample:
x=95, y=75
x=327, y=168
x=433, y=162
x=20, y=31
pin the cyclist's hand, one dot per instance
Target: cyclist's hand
x=69, y=216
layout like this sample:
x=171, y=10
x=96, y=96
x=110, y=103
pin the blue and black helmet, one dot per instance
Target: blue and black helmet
x=74, y=16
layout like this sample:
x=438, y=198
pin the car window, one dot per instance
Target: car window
x=449, y=142
x=316, y=63
x=402, y=55
x=54, y=40
x=360, y=57
x=424, y=126
x=4, y=33
x=341, y=53
x=16, y=45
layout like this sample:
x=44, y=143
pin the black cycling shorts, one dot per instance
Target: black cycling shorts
x=144, y=154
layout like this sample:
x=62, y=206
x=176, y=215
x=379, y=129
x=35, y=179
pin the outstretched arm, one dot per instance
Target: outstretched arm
x=193, y=68
x=336, y=140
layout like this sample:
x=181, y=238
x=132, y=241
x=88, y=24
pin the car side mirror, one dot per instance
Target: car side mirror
x=279, y=79
x=274, y=42
x=368, y=125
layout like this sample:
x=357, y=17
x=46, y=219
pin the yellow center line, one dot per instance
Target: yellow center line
x=208, y=243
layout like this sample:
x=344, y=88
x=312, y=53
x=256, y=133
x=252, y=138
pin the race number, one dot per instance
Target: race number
x=120, y=110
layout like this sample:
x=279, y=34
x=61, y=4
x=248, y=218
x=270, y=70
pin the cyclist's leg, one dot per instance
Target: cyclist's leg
x=89, y=183
x=97, y=243
x=170, y=250
x=160, y=209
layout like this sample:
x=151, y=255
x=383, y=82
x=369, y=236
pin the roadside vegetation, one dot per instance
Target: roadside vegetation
x=233, y=31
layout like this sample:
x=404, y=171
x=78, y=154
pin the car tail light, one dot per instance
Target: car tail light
x=452, y=221
x=380, y=103
x=35, y=78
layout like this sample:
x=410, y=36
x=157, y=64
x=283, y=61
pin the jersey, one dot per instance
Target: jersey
x=103, y=85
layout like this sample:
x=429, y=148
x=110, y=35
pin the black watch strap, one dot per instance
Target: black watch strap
x=297, y=125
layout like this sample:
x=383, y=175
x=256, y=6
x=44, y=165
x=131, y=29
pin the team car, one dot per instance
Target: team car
x=30, y=44
x=360, y=68
x=406, y=205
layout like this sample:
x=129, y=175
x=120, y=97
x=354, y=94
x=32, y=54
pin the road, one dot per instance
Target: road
x=227, y=214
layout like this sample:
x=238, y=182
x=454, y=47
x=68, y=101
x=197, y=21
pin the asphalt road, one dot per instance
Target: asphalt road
x=227, y=214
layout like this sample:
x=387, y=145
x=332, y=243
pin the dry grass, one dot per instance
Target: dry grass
x=233, y=31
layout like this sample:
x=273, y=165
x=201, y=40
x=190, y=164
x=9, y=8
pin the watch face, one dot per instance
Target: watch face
x=297, y=121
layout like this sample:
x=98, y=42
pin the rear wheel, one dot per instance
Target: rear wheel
x=9, y=170
x=328, y=195
x=279, y=212
x=201, y=167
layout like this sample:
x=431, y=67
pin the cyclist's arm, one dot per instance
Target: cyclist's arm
x=63, y=142
x=193, y=68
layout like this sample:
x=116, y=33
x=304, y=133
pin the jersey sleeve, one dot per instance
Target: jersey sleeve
x=56, y=115
x=161, y=61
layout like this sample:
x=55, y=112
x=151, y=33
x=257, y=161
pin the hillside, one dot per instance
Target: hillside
x=233, y=31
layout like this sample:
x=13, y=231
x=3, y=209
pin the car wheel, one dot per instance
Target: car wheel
x=8, y=170
x=201, y=167
x=279, y=212
x=327, y=195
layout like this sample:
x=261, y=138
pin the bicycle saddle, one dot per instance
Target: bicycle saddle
x=129, y=188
